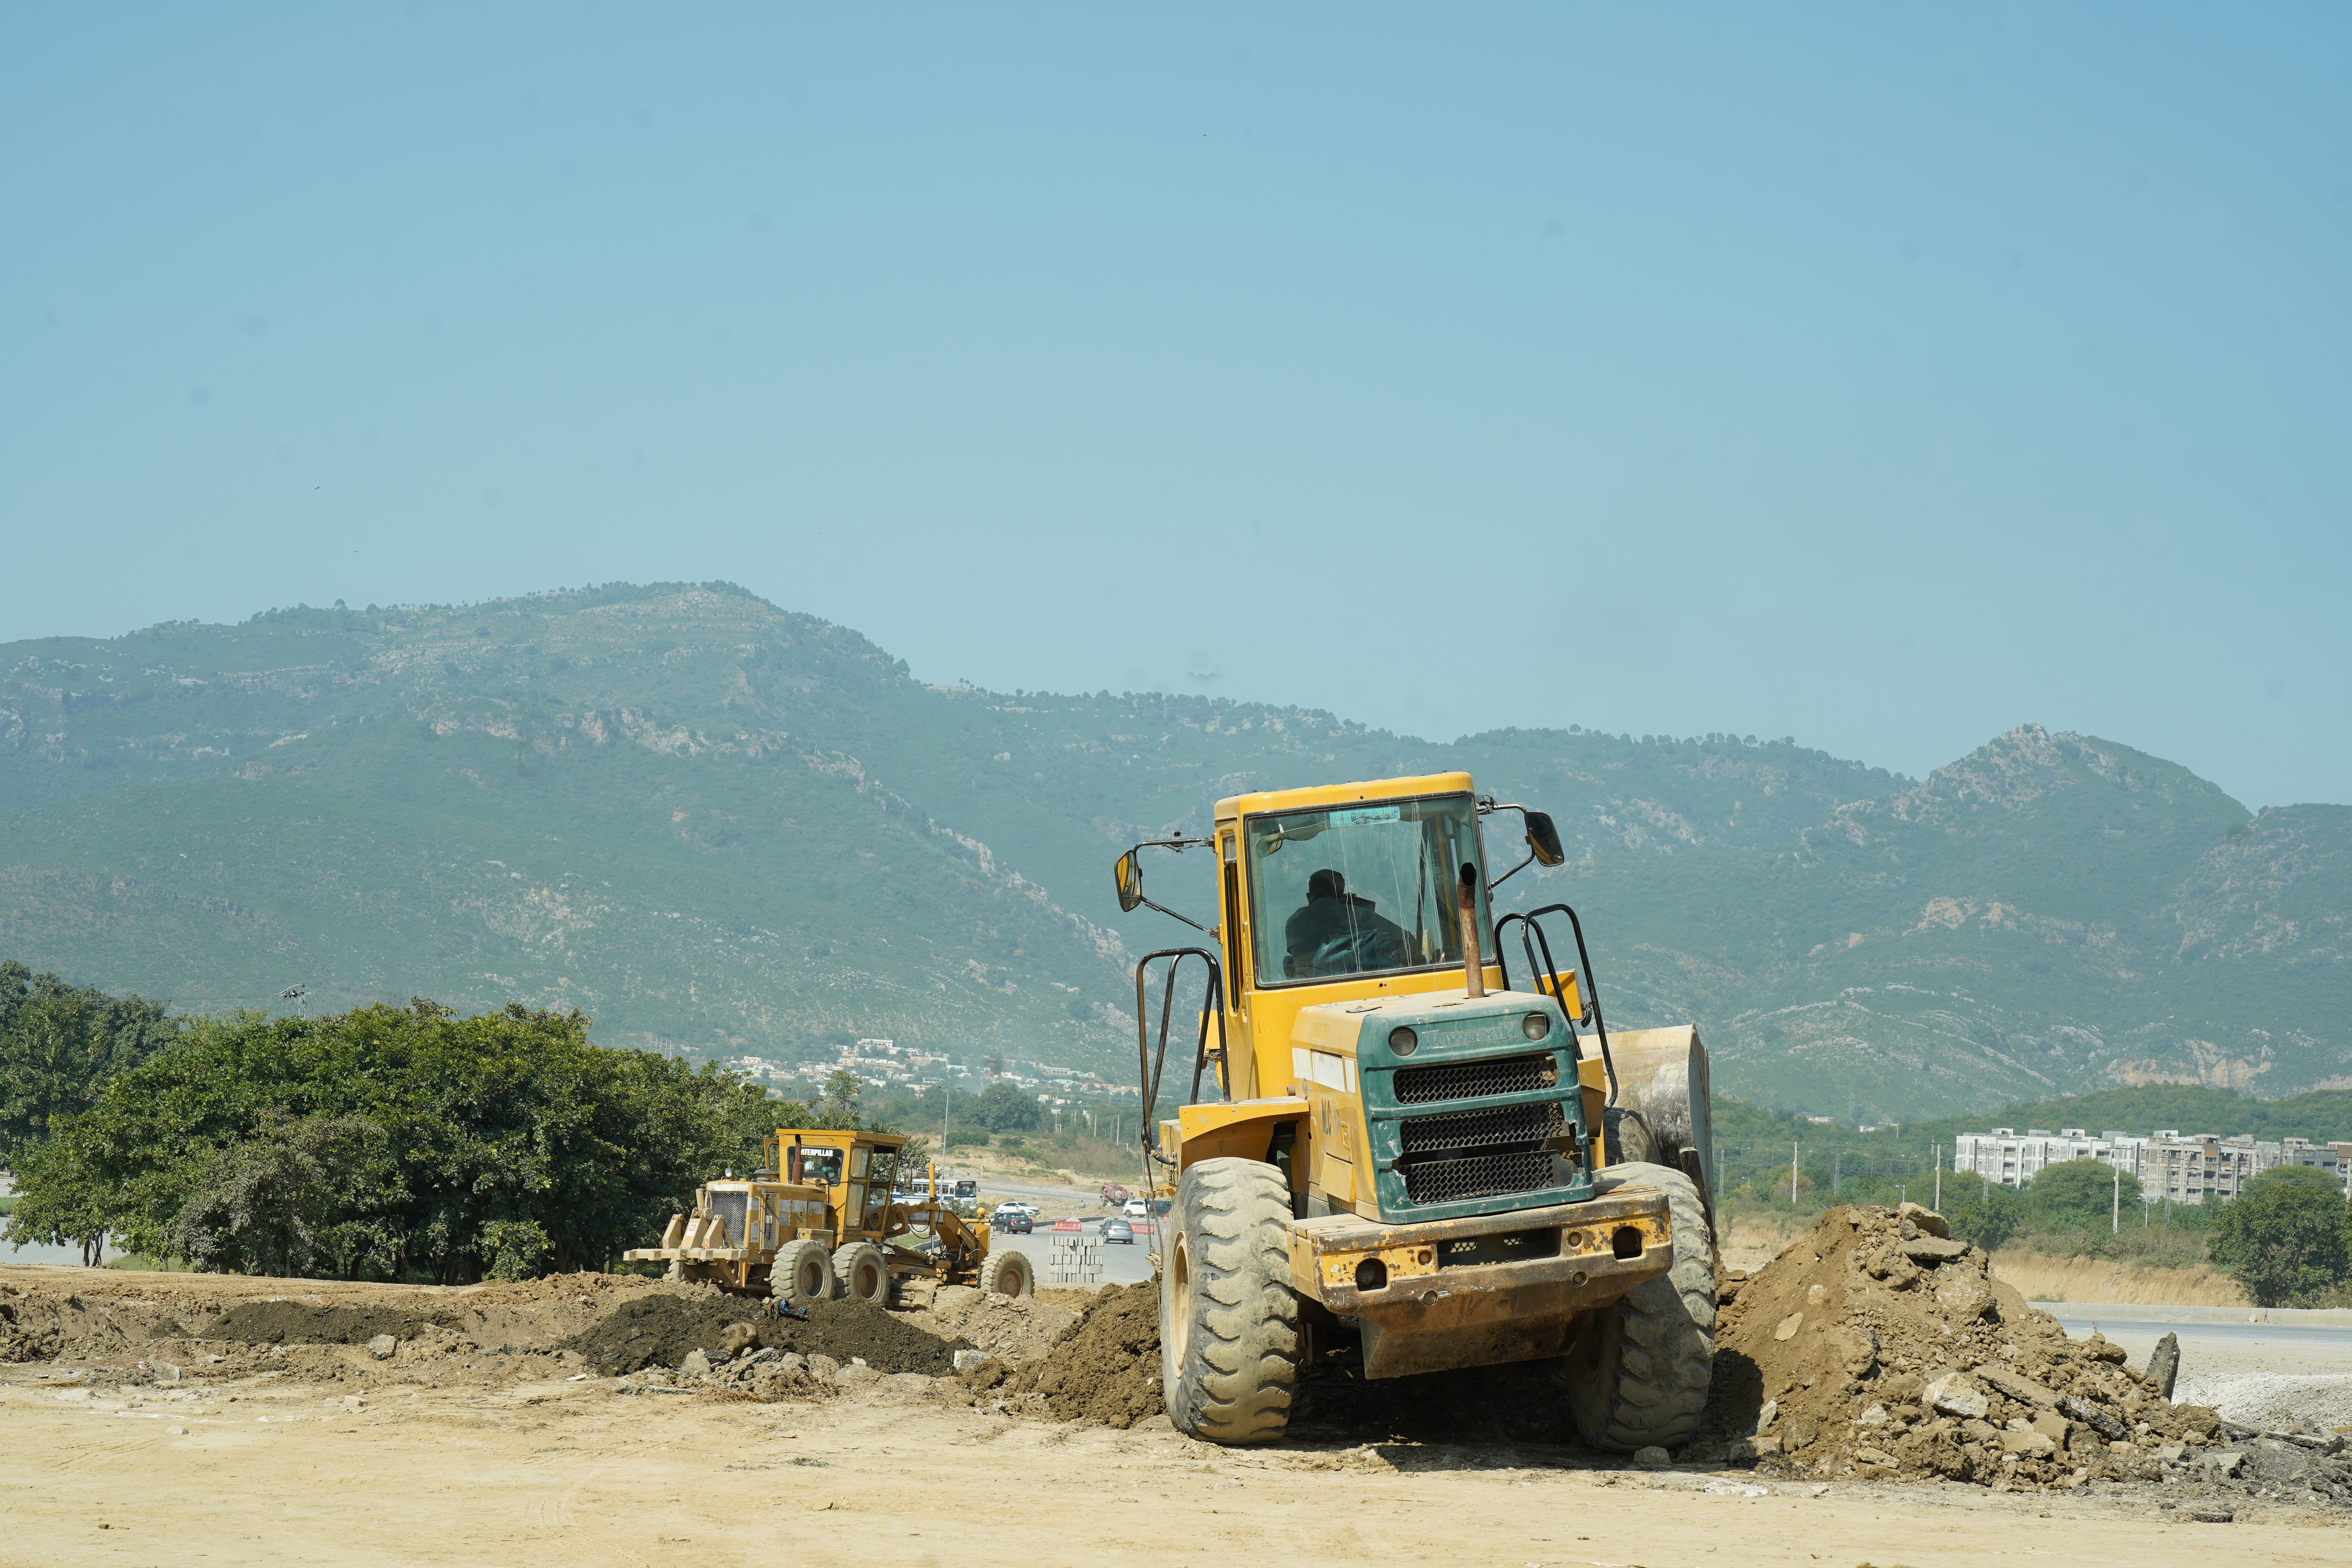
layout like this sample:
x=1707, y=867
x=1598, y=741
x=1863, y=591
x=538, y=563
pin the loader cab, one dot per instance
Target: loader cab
x=1340, y=893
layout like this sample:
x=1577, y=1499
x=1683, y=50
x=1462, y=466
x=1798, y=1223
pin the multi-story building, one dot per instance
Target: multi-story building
x=2186, y=1168
x=2006, y=1156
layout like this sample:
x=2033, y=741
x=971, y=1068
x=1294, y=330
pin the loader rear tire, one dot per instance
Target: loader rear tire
x=1228, y=1318
x=1008, y=1274
x=860, y=1273
x=801, y=1273
x=1639, y=1376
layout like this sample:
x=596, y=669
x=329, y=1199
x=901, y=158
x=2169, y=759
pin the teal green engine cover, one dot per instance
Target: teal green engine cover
x=1472, y=1107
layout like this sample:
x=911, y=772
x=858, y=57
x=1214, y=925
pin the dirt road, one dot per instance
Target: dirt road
x=471, y=1450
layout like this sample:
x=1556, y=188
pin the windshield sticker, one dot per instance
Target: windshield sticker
x=1364, y=814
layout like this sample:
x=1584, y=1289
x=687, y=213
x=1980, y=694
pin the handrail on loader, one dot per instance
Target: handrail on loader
x=1150, y=1064
x=1547, y=978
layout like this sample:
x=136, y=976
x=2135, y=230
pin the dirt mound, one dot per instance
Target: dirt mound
x=1014, y=1329
x=552, y=1287
x=660, y=1329
x=298, y=1323
x=1876, y=1346
x=1105, y=1367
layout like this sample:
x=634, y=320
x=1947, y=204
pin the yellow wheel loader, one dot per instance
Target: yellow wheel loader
x=818, y=1221
x=1403, y=1141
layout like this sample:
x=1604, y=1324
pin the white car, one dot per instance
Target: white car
x=1138, y=1209
x=1031, y=1210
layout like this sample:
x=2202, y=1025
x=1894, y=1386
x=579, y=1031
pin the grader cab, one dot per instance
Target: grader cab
x=1400, y=1144
x=819, y=1221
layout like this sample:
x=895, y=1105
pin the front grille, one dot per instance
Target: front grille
x=1452, y=1130
x=1471, y=1081
x=1477, y=1176
x=729, y=1207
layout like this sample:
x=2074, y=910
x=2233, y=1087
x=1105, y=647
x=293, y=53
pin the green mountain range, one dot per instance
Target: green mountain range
x=723, y=828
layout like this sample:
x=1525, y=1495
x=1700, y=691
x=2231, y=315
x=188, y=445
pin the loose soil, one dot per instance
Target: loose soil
x=483, y=1440
x=1104, y=1370
x=1014, y=1329
x=566, y=1475
x=662, y=1329
x=298, y=1323
x=1873, y=1346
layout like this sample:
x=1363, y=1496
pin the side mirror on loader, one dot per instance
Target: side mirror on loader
x=1544, y=839
x=1128, y=875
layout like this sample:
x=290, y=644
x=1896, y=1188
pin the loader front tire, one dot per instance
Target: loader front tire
x=1638, y=1377
x=801, y=1273
x=1008, y=1273
x=860, y=1273
x=1228, y=1318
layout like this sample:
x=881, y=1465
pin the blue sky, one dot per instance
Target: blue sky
x=1878, y=375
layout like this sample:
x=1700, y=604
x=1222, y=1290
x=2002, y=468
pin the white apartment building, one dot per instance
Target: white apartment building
x=2011, y=1158
x=2187, y=1168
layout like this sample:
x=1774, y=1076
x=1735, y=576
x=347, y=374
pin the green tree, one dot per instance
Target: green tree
x=2078, y=1195
x=1985, y=1216
x=504, y=1142
x=58, y=1045
x=2287, y=1236
x=277, y=1202
x=837, y=1103
x=63, y=1197
x=1008, y=1110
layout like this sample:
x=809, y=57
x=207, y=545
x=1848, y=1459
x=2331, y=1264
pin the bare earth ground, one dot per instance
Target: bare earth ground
x=323, y=1456
x=2095, y=1279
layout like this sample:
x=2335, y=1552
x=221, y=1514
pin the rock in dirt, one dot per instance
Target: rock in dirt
x=1907, y=1346
x=1104, y=1368
x=1924, y=1218
x=659, y=1330
x=384, y=1347
x=2164, y=1364
x=1953, y=1395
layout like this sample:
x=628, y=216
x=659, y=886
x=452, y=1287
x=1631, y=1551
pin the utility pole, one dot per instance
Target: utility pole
x=1837, y=1166
x=1939, y=1178
x=1792, y=1175
x=2116, y=1209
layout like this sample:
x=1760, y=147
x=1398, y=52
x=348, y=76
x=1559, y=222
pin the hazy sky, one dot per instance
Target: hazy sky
x=1880, y=376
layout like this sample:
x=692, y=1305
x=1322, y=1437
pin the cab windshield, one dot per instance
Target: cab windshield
x=1362, y=889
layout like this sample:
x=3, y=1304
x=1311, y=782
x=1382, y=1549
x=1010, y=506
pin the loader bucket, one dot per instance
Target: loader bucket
x=1662, y=1077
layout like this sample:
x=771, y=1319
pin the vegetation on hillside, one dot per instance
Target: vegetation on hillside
x=723, y=828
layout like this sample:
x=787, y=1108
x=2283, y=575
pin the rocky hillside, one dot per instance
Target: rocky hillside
x=724, y=828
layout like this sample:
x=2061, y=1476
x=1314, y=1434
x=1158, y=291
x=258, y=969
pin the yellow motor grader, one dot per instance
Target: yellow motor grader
x=1403, y=1144
x=818, y=1221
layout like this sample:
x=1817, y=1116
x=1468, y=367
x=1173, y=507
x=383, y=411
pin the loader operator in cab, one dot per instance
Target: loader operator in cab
x=1338, y=934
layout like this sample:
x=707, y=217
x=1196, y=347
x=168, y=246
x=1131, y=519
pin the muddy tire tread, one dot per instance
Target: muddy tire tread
x=1664, y=1333
x=1241, y=1365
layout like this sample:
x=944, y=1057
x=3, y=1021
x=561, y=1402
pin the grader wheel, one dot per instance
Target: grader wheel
x=801, y=1273
x=1008, y=1273
x=860, y=1273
